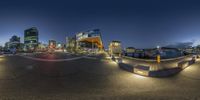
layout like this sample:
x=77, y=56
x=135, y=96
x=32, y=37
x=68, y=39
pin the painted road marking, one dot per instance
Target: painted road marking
x=4, y=55
x=90, y=57
x=52, y=60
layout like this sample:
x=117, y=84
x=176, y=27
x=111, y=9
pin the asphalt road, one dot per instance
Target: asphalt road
x=90, y=79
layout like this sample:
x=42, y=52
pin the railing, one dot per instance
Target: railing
x=164, y=64
x=153, y=60
x=150, y=67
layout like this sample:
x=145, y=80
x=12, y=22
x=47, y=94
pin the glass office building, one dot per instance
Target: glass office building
x=31, y=38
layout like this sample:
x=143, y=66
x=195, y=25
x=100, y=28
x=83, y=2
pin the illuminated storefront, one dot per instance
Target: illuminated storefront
x=115, y=48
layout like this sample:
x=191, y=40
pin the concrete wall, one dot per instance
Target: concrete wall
x=154, y=66
x=164, y=68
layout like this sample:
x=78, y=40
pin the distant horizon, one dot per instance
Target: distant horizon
x=173, y=45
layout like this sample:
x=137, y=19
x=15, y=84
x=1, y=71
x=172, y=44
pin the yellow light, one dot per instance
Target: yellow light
x=1, y=59
x=1, y=56
x=112, y=62
x=116, y=57
x=139, y=76
x=158, y=58
x=140, y=72
x=116, y=44
x=108, y=57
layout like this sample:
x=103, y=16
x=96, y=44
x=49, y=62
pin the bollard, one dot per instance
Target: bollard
x=158, y=58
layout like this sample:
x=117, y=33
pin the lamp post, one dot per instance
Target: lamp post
x=92, y=47
x=158, y=54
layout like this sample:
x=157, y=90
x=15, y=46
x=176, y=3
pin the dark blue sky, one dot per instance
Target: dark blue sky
x=137, y=23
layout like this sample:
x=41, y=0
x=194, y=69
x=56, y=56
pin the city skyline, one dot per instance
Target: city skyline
x=140, y=24
x=100, y=49
x=63, y=40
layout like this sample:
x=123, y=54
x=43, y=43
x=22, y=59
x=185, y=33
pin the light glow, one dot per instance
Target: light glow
x=1, y=56
x=1, y=59
x=139, y=76
x=140, y=72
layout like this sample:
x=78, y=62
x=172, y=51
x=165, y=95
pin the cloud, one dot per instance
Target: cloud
x=181, y=45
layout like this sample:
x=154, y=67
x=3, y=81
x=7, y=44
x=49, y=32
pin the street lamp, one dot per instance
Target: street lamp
x=158, y=47
x=158, y=54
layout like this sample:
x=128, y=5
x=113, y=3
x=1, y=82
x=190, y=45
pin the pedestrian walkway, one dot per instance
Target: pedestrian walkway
x=192, y=72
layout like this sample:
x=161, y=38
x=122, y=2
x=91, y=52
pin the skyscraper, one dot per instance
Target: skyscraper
x=31, y=38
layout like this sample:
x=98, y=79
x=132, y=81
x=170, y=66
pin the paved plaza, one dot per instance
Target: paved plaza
x=90, y=78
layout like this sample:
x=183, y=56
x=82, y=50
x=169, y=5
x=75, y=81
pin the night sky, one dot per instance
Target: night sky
x=137, y=23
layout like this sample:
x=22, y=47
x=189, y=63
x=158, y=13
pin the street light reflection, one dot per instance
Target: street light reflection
x=136, y=76
x=140, y=76
x=126, y=61
x=112, y=63
x=1, y=59
x=138, y=79
x=191, y=68
x=108, y=57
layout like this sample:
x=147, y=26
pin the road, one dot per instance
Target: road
x=90, y=79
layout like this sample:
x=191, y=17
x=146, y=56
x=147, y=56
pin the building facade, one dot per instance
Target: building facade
x=31, y=39
x=14, y=43
x=42, y=47
x=130, y=51
x=71, y=44
x=89, y=41
x=52, y=44
x=115, y=48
